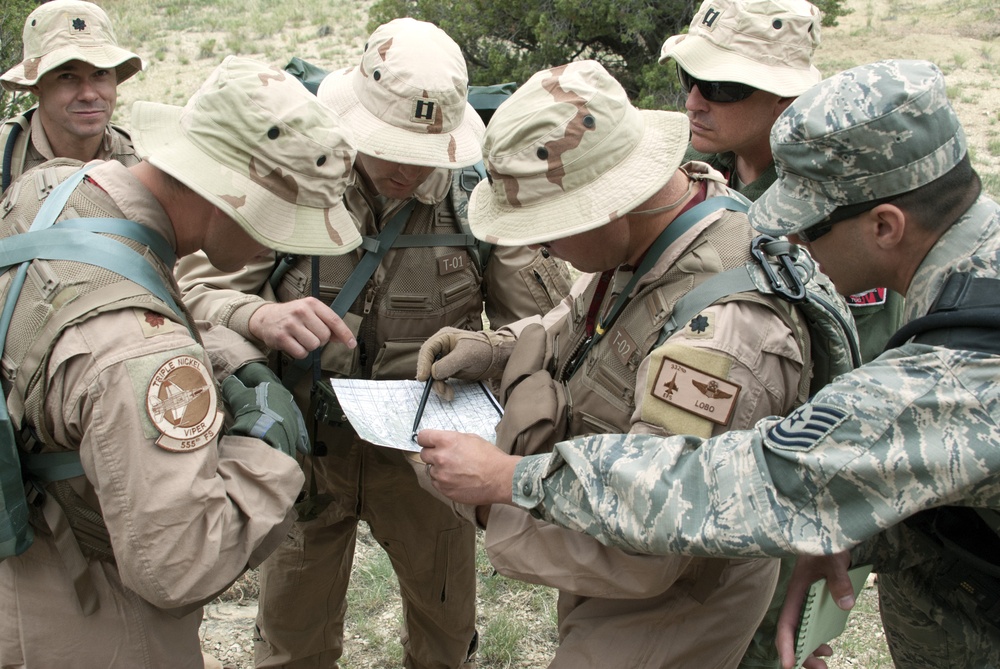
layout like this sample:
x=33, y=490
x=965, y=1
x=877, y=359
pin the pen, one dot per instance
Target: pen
x=422, y=405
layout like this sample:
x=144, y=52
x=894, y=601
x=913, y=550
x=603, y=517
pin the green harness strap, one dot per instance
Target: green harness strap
x=670, y=234
x=375, y=252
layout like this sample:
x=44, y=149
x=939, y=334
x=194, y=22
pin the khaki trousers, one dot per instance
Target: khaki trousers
x=688, y=625
x=303, y=598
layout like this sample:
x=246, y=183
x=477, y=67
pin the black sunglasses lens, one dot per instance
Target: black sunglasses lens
x=728, y=91
x=715, y=91
x=685, y=80
x=810, y=235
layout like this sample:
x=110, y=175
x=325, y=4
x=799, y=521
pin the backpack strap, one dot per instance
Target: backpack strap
x=668, y=236
x=12, y=130
x=464, y=181
x=375, y=252
x=775, y=270
x=965, y=316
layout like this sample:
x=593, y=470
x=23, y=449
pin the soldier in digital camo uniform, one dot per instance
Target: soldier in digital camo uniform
x=170, y=499
x=896, y=462
x=578, y=170
x=405, y=102
x=72, y=65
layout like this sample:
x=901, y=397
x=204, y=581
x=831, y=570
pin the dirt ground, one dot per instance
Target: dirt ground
x=962, y=38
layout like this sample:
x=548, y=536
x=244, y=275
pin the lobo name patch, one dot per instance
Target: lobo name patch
x=182, y=404
x=695, y=391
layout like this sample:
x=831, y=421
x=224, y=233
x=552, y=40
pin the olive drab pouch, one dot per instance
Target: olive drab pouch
x=15, y=532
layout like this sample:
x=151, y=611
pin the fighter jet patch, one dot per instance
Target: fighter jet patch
x=695, y=391
x=805, y=426
x=182, y=403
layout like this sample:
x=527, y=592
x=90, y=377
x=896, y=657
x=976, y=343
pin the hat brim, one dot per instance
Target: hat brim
x=102, y=56
x=375, y=137
x=614, y=193
x=708, y=62
x=780, y=212
x=158, y=137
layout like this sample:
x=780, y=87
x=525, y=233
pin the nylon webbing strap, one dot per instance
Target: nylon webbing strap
x=363, y=271
x=962, y=317
x=7, y=167
x=89, y=248
x=49, y=467
x=670, y=234
x=425, y=241
x=123, y=227
x=371, y=260
x=696, y=300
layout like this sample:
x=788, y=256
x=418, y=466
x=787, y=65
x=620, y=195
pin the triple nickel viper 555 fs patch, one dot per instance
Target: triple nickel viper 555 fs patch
x=181, y=401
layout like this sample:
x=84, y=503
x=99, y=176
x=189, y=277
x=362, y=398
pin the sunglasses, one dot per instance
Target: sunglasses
x=715, y=91
x=839, y=214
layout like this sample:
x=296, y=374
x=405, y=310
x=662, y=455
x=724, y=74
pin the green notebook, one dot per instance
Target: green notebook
x=822, y=620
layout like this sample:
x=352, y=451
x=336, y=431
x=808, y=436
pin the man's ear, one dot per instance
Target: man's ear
x=888, y=223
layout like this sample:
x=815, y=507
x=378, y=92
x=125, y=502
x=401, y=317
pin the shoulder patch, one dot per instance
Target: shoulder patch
x=684, y=388
x=694, y=391
x=182, y=402
x=152, y=323
x=805, y=426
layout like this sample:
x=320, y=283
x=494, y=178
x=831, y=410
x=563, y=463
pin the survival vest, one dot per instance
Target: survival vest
x=14, y=147
x=770, y=272
x=55, y=275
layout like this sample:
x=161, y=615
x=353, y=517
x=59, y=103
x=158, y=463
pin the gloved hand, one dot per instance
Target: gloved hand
x=265, y=409
x=463, y=354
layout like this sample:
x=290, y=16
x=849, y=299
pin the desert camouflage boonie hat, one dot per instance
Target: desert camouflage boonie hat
x=63, y=30
x=256, y=143
x=567, y=153
x=865, y=134
x=406, y=101
x=767, y=44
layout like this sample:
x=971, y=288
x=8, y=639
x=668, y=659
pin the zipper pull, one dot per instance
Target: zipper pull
x=369, y=301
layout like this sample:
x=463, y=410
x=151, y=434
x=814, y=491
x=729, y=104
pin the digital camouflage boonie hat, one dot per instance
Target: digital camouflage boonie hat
x=63, y=30
x=406, y=101
x=257, y=144
x=767, y=44
x=868, y=133
x=567, y=153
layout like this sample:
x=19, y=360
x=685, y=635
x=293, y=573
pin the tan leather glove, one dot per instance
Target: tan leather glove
x=463, y=354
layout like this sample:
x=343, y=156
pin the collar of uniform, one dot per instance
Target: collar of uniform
x=976, y=234
x=714, y=184
x=132, y=199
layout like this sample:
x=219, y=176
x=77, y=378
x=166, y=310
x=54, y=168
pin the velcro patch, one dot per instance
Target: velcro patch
x=453, y=262
x=696, y=392
x=424, y=110
x=869, y=298
x=182, y=403
x=622, y=344
x=701, y=326
x=805, y=426
x=152, y=323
